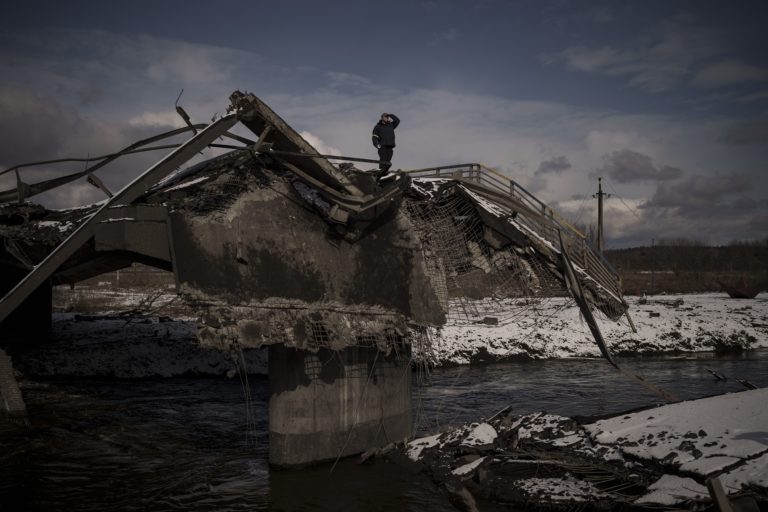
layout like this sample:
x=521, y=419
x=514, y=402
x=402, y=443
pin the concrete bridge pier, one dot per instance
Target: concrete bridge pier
x=329, y=404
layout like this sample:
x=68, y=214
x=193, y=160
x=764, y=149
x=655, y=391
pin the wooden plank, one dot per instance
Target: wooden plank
x=719, y=497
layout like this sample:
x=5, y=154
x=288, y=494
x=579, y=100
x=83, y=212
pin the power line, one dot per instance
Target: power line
x=632, y=210
x=580, y=211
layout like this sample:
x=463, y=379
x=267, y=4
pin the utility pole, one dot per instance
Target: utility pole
x=600, y=195
x=653, y=267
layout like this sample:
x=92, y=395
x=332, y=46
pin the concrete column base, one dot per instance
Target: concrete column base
x=334, y=404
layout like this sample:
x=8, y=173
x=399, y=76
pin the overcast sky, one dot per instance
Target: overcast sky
x=666, y=100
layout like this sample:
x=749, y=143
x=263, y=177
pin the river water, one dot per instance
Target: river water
x=188, y=444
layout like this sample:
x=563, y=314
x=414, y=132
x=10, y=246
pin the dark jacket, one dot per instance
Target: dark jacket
x=384, y=133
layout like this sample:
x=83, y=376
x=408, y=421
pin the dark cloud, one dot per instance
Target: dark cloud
x=444, y=36
x=704, y=195
x=729, y=72
x=626, y=166
x=32, y=127
x=759, y=223
x=36, y=128
x=747, y=132
x=555, y=165
x=664, y=58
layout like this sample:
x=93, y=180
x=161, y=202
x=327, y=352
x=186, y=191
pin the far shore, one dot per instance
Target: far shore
x=93, y=337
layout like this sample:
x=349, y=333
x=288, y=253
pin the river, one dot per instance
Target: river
x=198, y=444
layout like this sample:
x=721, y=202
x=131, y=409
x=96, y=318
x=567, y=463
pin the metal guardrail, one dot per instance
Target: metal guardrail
x=576, y=243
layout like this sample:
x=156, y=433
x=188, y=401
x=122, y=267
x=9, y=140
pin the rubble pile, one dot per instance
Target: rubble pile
x=646, y=459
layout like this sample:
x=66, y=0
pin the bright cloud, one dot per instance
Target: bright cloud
x=158, y=119
x=319, y=145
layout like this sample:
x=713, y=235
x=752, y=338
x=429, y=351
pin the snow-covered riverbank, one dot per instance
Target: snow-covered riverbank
x=124, y=346
x=553, y=328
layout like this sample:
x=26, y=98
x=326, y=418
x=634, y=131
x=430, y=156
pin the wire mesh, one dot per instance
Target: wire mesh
x=214, y=185
x=474, y=282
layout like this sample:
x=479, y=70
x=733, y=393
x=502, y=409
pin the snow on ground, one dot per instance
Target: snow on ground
x=553, y=328
x=542, y=328
x=701, y=436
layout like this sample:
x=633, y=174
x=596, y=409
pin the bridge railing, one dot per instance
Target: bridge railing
x=549, y=225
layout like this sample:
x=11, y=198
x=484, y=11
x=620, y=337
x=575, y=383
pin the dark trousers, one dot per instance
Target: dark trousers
x=385, y=155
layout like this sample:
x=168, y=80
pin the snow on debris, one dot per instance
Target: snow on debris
x=189, y=183
x=621, y=460
x=480, y=435
x=118, y=219
x=183, y=172
x=671, y=490
x=699, y=436
x=63, y=227
x=753, y=472
x=468, y=468
x=566, y=488
x=427, y=187
x=489, y=206
x=417, y=446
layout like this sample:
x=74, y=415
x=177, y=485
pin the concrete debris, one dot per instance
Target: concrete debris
x=653, y=457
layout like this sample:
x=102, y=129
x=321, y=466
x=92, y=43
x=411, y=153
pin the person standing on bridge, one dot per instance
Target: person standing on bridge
x=384, y=139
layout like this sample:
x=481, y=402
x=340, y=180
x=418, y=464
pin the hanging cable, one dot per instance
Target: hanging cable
x=632, y=210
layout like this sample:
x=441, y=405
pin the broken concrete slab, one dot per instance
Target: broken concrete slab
x=657, y=456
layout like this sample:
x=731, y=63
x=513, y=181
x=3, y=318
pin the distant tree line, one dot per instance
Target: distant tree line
x=682, y=255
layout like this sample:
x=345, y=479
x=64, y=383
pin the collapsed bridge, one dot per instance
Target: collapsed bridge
x=342, y=274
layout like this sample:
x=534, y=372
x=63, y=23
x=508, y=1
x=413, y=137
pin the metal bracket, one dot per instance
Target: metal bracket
x=261, y=140
x=96, y=182
x=22, y=189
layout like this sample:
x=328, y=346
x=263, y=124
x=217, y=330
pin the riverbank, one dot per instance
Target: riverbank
x=666, y=324
x=654, y=457
x=111, y=343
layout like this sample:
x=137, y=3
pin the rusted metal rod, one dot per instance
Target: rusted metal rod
x=327, y=157
x=33, y=189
